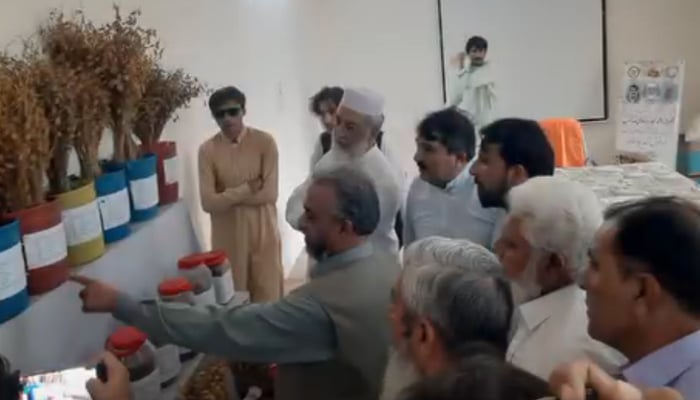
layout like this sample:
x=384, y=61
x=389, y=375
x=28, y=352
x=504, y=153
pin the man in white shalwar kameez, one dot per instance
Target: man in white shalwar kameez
x=474, y=90
x=360, y=117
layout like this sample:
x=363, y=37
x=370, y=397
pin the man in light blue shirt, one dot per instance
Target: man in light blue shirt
x=642, y=291
x=443, y=200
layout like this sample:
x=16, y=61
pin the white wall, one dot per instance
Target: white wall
x=648, y=29
x=281, y=51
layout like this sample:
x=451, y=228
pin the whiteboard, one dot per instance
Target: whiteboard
x=548, y=56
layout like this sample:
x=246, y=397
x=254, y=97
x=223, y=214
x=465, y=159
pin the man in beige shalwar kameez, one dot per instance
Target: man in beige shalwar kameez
x=238, y=174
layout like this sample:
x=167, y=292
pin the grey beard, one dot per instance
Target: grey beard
x=399, y=374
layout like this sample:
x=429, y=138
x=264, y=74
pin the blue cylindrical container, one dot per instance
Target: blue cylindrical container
x=14, y=297
x=113, y=201
x=143, y=187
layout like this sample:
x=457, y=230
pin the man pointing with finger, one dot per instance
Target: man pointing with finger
x=329, y=338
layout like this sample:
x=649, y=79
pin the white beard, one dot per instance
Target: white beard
x=399, y=374
x=525, y=288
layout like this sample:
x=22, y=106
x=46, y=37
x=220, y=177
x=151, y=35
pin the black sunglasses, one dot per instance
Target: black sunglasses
x=231, y=112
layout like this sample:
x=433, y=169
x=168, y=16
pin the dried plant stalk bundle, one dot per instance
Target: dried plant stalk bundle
x=166, y=92
x=24, y=133
x=119, y=53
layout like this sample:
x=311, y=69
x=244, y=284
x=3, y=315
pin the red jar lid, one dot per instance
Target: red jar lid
x=191, y=261
x=126, y=341
x=215, y=257
x=174, y=286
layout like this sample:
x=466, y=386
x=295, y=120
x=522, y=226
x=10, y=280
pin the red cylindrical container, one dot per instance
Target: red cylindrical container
x=168, y=176
x=45, y=247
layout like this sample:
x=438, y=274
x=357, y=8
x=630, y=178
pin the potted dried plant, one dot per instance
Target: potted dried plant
x=69, y=45
x=24, y=156
x=119, y=54
x=44, y=232
x=166, y=92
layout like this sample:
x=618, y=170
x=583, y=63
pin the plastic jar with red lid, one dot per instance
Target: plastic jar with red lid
x=218, y=263
x=134, y=350
x=177, y=290
x=193, y=268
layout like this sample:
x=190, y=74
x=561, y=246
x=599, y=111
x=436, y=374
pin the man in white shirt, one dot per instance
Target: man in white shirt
x=449, y=295
x=443, y=200
x=360, y=117
x=324, y=106
x=544, y=246
x=474, y=92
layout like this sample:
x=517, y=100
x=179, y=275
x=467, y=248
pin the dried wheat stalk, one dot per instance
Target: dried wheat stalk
x=24, y=134
x=119, y=54
x=166, y=92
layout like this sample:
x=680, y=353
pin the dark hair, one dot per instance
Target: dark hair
x=521, y=142
x=226, y=94
x=480, y=377
x=10, y=383
x=662, y=234
x=357, y=197
x=450, y=128
x=476, y=43
x=328, y=93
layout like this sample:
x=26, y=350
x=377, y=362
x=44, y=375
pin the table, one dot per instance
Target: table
x=619, y=183
x=54, y=334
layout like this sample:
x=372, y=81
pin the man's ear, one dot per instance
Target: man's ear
x=426, y=331
x=517, y=175
x=463, y=157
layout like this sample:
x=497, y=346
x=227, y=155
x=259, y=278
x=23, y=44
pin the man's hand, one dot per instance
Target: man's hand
x=569, y=382
x=96, y=296
x=457, y=60
x=256, y=185
x=117, y=385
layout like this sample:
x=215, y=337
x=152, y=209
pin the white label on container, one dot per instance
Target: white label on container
x=205, y=298
x=168, y=358
x=223, y=287
x=45, y=247
x=13, y=278
x=82, y=224
x=147, y=388
x=171, y=169
x=144, y=192
x=114, y=209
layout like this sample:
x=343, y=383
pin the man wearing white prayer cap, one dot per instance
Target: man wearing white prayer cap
x=360, y=117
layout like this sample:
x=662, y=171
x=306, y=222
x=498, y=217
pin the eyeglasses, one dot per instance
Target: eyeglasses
x=231, y=112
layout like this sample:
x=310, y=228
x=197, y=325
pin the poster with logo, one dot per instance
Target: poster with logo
x=650, y=105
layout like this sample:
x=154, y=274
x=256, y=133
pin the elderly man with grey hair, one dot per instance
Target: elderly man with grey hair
x=462, y=253
x=329, y=337
x=360, y=117
x=550, y=227
x=449, y=297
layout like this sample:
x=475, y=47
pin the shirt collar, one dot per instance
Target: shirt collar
x=536, y=311
x=666, y=364
x=238, y=140
x=462, y=177
x=332, y=263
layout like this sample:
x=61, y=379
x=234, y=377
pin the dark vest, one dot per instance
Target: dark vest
x=356, y=299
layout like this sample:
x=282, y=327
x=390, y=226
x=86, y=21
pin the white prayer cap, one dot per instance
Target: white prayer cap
x=363, y=101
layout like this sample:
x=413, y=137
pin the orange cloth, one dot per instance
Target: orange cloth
x=566, y=137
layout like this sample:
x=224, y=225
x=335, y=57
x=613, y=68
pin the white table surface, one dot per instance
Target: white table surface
x=619, y=183
x=54, y=334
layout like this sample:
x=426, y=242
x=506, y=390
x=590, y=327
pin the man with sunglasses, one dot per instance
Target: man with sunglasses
x=238, y=174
